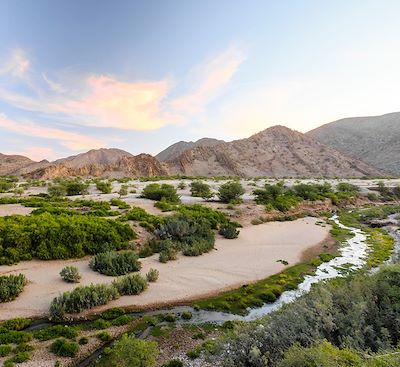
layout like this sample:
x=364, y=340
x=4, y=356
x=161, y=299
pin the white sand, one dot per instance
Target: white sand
x=12, y=209
x=249, y=258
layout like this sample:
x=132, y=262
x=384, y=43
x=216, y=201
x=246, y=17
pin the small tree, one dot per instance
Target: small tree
x=231, y=192
x=57, y=190
x=70, y=274
x=201, y=189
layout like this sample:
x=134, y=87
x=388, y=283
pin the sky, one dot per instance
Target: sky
x=140, y=75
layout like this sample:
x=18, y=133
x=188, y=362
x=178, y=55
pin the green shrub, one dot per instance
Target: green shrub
x=119, y=203
x=56, y=331
x=21, y=357
x=201, y=189
x=157, y=192
x=131, y=352
x=63, y=348
x=23, y=347
x=130, y=284
x=100, y=324
x=122, y=320
x=16, y=324
x=115, y=263
x=15, y=337
x=83, y=340
x=104, y=336
x=164, y=205
x=229, y=231
x=5, y=350
x=193, y=353
x=104, y=186
x=170, y=317
x=186, y=315
x=231, y=192
x=112, y=313
x=152, y=275
x=82, y=298
x=70, y=274
x=11, y=286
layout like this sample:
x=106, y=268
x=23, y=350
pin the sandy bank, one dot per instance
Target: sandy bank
x=249, y=258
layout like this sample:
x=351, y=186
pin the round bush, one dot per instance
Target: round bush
x=63, y=348
x=70, y=274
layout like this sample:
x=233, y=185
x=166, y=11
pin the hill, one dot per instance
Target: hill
x=374, y=139
x=277, y=151
x=175, y=150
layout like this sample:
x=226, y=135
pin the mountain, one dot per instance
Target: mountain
x=374, y=139
x=12, y=164
x=277, y=151
x=101, y=162
x=175, y=150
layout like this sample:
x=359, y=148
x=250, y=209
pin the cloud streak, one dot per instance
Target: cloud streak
x=17, y=64
x=70, y=140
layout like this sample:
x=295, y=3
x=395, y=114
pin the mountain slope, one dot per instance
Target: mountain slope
x=175, y=150
x=374, y=139
x=9, y=164
x=276, y=151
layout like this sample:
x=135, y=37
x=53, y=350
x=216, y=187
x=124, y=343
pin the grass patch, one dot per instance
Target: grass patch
x=268, y=290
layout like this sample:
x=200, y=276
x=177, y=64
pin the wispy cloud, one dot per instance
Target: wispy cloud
x=70, y=140
x=210, y=79
x=17, y=64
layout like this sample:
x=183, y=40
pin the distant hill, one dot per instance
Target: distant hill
x=277, y=151
x=374, y=139
x=175, y=150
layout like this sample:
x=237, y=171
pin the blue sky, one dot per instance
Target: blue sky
x=140, y=75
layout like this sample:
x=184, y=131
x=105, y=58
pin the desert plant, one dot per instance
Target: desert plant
x=201, y=189
x=114, y=263
x=70, y=274
x=229, y=231
x=152, y=275
x=11, y=286
x=156, y=192
x=130, y=284
x=63, y=348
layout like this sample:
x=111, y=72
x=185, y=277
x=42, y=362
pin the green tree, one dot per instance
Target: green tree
x=231, y=192
x=201, y=189
x=104, y=186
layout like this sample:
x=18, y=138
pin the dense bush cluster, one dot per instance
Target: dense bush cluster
x=83, y=298
x=64, y=348
x=49, y=236
x=6, y=184
x=119, y=203
x=361, y=313
x=114, y=263
x=145, y=219
x=131, y=352
x=11, y=286
x=193, y=236
x=283, y=198
x=158, y=192
x=201, y=189
x=70, y=187
x=56, y=331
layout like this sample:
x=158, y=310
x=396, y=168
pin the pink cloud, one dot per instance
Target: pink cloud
x=212, y=77
x=71, y=140
x=36, y=153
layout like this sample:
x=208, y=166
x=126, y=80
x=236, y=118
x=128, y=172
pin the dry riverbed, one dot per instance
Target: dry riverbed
x=251, y=257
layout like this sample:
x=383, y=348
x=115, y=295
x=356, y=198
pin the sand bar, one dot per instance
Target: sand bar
x=249, y=258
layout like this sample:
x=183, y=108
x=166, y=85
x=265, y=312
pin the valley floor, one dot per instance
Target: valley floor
x=251, y=257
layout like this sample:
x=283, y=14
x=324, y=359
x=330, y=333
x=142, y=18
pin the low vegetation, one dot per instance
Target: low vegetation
x=11, y=286
x=70, y=274
x=201, y=189
x=114, y=263
x=84, y=298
